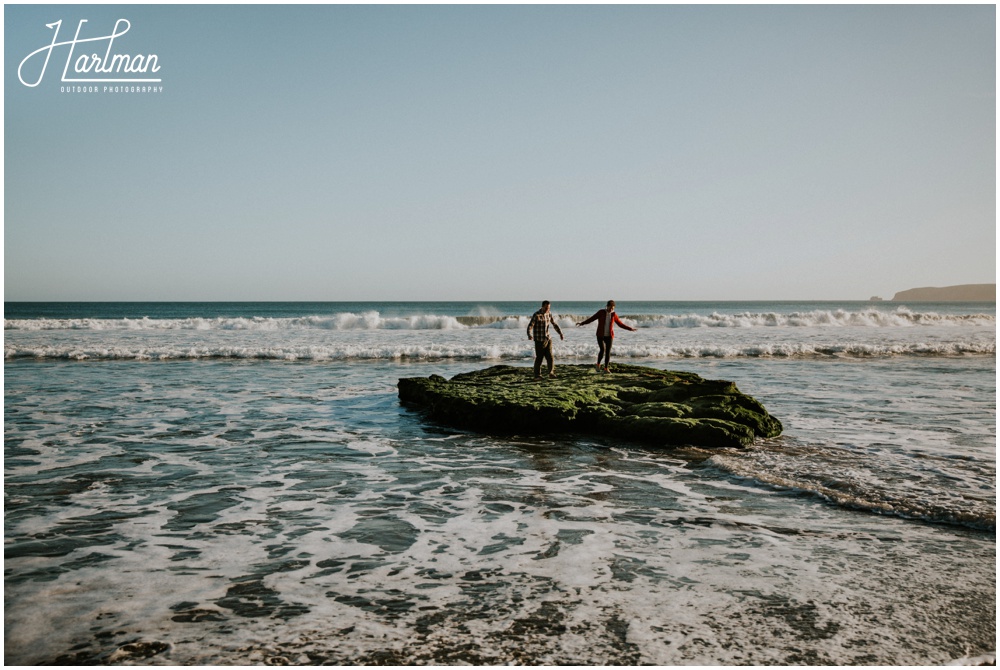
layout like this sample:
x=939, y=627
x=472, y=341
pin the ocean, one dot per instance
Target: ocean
x=237, y=483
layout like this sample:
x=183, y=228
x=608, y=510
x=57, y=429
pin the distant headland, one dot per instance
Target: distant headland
x=960, y=293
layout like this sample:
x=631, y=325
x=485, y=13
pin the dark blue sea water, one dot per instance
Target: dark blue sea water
x=237, y=483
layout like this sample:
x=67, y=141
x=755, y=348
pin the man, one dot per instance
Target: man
x=538, y=330
x=606, y=320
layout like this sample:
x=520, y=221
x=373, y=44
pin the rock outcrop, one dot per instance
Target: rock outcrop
x=637, y=403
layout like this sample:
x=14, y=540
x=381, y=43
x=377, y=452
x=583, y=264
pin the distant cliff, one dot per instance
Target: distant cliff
x=961, y=293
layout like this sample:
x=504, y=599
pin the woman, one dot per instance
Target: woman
x=606, y=320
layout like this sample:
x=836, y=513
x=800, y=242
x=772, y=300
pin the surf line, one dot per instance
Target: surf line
x=92, y=63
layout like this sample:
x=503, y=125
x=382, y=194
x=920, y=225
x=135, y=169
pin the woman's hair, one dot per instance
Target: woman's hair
x=611, y=304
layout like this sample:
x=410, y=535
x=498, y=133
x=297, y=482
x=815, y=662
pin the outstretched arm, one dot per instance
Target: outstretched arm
x=619, y=322
x=584, y=323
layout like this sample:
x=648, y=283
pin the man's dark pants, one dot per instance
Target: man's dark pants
x=543, y=349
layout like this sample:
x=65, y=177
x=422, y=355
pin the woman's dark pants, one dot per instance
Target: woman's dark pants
x=604, y=349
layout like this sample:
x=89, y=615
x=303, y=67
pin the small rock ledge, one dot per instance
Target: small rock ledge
x=653, y=406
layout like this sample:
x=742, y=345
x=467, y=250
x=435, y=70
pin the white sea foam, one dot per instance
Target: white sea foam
x=343, y=321
x=481, y=352
x=872, y=318
x=373, y=320
x=267, y=514
x=983, y=659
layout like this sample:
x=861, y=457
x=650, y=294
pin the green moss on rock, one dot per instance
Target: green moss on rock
x=637, y=403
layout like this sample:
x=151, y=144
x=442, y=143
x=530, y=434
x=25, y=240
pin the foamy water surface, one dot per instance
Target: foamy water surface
x=211, y=509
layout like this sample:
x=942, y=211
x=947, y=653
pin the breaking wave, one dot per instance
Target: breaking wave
x=342, y=321
x=373, y=320
x=871, y=318
x=484, y=352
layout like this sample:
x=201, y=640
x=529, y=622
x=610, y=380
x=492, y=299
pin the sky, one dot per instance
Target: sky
x=518, y=152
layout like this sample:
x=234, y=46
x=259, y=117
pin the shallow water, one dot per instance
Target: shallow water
x=228, y=511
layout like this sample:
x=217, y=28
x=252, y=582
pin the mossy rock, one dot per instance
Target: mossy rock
x=633, y=402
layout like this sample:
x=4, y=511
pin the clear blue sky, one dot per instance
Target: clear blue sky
x=506, y=152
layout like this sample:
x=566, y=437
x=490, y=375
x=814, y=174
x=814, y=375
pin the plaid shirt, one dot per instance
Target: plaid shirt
x=538, y=327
